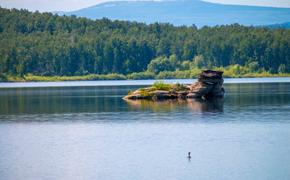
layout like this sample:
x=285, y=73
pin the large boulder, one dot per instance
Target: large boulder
x=210, y=74
x=210, y=84
x=201, y=88
x=160, y=95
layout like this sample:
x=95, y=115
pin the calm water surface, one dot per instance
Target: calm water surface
x=89, y=132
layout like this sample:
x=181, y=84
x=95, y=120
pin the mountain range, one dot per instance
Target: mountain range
x=285, y=25
x=185, y=12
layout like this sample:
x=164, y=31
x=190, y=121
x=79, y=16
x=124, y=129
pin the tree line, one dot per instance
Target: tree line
x=47, y=44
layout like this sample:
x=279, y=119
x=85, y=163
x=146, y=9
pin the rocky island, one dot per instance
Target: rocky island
x=208, y=86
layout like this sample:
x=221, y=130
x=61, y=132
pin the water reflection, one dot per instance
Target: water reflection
x=92, y=133
x=61, y=100
x=77, y=100
x=196, y=105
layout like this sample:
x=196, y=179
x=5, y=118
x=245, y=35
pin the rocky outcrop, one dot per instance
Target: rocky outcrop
x=209, y=85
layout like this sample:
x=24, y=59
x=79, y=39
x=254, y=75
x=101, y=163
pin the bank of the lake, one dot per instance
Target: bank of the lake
x=133, y=76
x=134, y=83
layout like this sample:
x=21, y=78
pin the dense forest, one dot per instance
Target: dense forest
x=45, y=44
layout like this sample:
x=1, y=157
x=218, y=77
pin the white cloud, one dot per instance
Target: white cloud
x=270, y=3
x=53, y=5
x=49, y=5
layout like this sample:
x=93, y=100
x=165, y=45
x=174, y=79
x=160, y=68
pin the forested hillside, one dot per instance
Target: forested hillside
x=51, y=45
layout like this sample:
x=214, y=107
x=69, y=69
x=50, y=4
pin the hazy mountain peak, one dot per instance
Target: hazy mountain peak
x=185, y=12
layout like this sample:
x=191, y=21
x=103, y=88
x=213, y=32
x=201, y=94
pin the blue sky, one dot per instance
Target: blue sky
x=69, y=5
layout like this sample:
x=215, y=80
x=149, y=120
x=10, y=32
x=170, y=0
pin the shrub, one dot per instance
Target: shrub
x=160, y=85
x=160, y=64
x=166, y=75
x=282, y=69
x=3, y=77
x=141, y=75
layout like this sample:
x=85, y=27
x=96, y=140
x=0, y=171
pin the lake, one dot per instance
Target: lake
x=85, y=130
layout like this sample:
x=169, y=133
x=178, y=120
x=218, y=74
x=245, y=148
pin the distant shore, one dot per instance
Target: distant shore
x=133, y=76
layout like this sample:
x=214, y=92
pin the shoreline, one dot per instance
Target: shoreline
x=111, y=83
x=110, y=77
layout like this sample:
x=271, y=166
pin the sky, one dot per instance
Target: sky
x=70, y=5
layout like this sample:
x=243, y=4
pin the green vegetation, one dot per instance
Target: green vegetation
x=228, y=72
x=31, y=77
x=46, y=47
x=149, y=92
x=146, y=92
x=160, y=85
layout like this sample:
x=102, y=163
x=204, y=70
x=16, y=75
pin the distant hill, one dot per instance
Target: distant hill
x=186, y=12
x=285, y=25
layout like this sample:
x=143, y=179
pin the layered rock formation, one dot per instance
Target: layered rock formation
x=209, y=85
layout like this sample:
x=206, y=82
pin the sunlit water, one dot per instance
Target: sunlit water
x=89, y=132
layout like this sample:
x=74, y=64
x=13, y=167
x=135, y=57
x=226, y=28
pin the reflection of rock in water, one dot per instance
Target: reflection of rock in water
x=201, y=105
x=198, y=105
